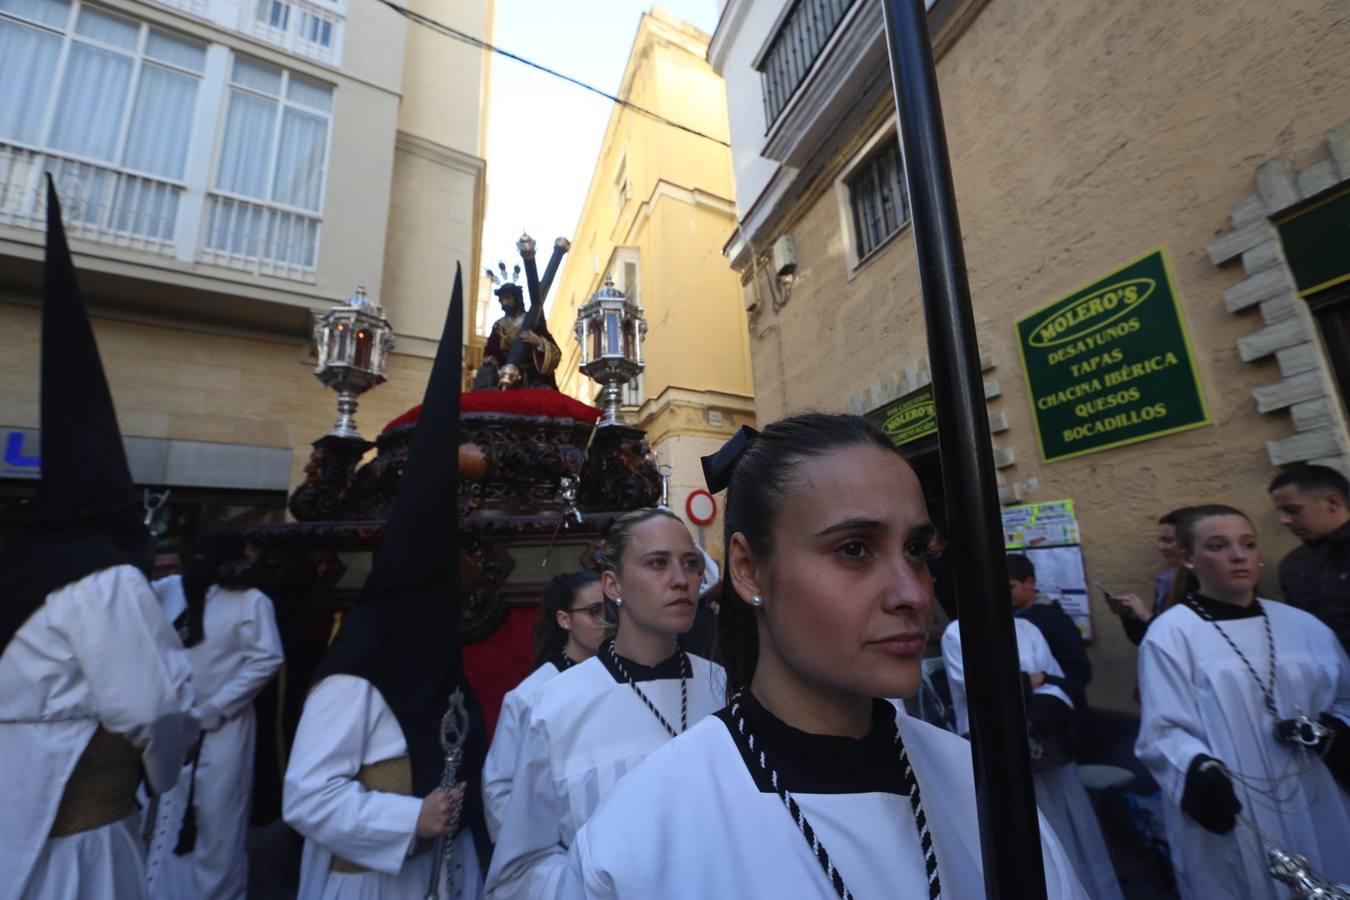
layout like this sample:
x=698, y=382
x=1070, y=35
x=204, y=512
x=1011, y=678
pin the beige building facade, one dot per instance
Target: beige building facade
x=1082, y=137
x=657, y=213
x=227, y=168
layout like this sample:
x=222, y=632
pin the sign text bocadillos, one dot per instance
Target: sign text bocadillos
x=1111, y=363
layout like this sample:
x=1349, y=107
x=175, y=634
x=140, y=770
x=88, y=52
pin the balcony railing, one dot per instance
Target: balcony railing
x=97, y=202
x=804, y=32
x=259, y=238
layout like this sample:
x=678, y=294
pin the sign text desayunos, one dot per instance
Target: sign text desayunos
x=1111, y=364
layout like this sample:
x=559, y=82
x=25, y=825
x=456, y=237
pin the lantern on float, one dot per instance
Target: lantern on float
x=352, y=343
x=610, y=330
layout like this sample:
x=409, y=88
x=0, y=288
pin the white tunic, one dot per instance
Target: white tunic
x=691, y=822
x=1059, y=792
x=500, y=766
x=1198, y=697
x=239, y=654
x=346, y=724
x=586, y=731
x=98, y=651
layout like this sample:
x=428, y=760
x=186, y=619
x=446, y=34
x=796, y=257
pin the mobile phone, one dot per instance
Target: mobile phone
x=1111, y=600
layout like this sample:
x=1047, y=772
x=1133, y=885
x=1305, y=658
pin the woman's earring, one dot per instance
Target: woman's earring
x=618, y=601
x=756, y=601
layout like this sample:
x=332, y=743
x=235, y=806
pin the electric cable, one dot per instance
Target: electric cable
x=451, y=32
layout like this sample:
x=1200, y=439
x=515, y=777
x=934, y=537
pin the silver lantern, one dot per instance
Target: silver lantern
x=352, y=342
x=610, y=329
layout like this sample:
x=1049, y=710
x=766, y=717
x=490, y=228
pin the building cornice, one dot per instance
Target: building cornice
x=668, y=190
x=724, y=35
x=439, y=153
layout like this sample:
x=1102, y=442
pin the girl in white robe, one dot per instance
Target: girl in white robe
x=238, y=654
x=97, y=654
x=808, y=784
x=1060, y=793
x=570, y=628
x=1209, y=738
x=594, y=723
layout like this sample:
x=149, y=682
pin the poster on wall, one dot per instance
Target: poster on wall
x=1111, y=364
x=1048, y=534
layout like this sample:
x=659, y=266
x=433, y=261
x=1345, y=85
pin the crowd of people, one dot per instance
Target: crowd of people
x=625, y=765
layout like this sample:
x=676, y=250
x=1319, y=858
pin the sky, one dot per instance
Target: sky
x=544, y=134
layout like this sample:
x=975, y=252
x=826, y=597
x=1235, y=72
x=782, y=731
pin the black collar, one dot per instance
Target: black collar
x=1224, y=612
x=819, y=763
x=666, y=668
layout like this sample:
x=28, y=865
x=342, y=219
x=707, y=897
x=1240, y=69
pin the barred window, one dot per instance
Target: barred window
x=876, y=192
x=804, y=32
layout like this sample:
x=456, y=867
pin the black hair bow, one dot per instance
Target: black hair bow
x=718, y=467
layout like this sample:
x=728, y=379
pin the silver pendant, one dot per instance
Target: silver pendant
x=1304, y=883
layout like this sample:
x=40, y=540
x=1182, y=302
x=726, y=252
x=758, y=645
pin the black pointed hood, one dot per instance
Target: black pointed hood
x=86, y=515
x=404, y=634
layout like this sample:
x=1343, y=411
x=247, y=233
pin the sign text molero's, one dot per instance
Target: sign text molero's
x=1111, y=363
x=907, y=419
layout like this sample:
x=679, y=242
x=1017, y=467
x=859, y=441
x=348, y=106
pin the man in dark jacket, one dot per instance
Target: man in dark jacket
x=1063, y=636
x=1314, y=503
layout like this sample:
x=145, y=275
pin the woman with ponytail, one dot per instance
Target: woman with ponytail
x=1245, y=721
x=591, y=725
x=570, y=627
x=230, y=634
x=809, y=783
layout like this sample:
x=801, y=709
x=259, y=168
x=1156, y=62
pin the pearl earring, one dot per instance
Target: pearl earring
x=756, y=601
x=618, y=601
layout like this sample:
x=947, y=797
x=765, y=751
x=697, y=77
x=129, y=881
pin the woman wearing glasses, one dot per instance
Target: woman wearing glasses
x=592, y=724
x=570, y=627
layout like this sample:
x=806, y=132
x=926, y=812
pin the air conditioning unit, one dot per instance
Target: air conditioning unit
x=785, y=255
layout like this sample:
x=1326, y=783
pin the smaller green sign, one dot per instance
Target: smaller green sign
x=1316, y=239
x=909, y=418
x=1111, y=364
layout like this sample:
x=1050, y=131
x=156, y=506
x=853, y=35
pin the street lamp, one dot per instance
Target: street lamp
x=353, y=343
x=610, y=329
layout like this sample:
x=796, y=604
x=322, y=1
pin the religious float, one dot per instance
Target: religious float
x=541, y=478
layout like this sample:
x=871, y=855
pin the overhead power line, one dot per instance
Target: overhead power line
x=451, y=32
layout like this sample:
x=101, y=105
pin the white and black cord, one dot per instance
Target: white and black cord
x=809, y=833
x=684, y=690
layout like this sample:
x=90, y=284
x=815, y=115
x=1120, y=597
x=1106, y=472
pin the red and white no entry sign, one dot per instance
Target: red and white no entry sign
x=701, y=507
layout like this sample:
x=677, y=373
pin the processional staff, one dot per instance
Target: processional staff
x=1005, y=798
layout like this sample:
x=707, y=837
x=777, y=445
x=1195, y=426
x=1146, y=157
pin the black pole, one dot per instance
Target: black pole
x=1009, y=833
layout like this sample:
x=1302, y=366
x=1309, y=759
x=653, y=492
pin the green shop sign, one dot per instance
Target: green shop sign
x=1111, y=363
x=907, y=419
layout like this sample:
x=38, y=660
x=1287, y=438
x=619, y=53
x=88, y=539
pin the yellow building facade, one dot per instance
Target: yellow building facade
x=659, y=209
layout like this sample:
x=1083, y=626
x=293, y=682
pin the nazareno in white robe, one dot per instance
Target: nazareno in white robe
x=692, y=821
x=1198, y=697
x=500, y=765
x=1060, y=793
x=98, y=651
x=237, y=657
x=346, y=724
x=587, y=730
